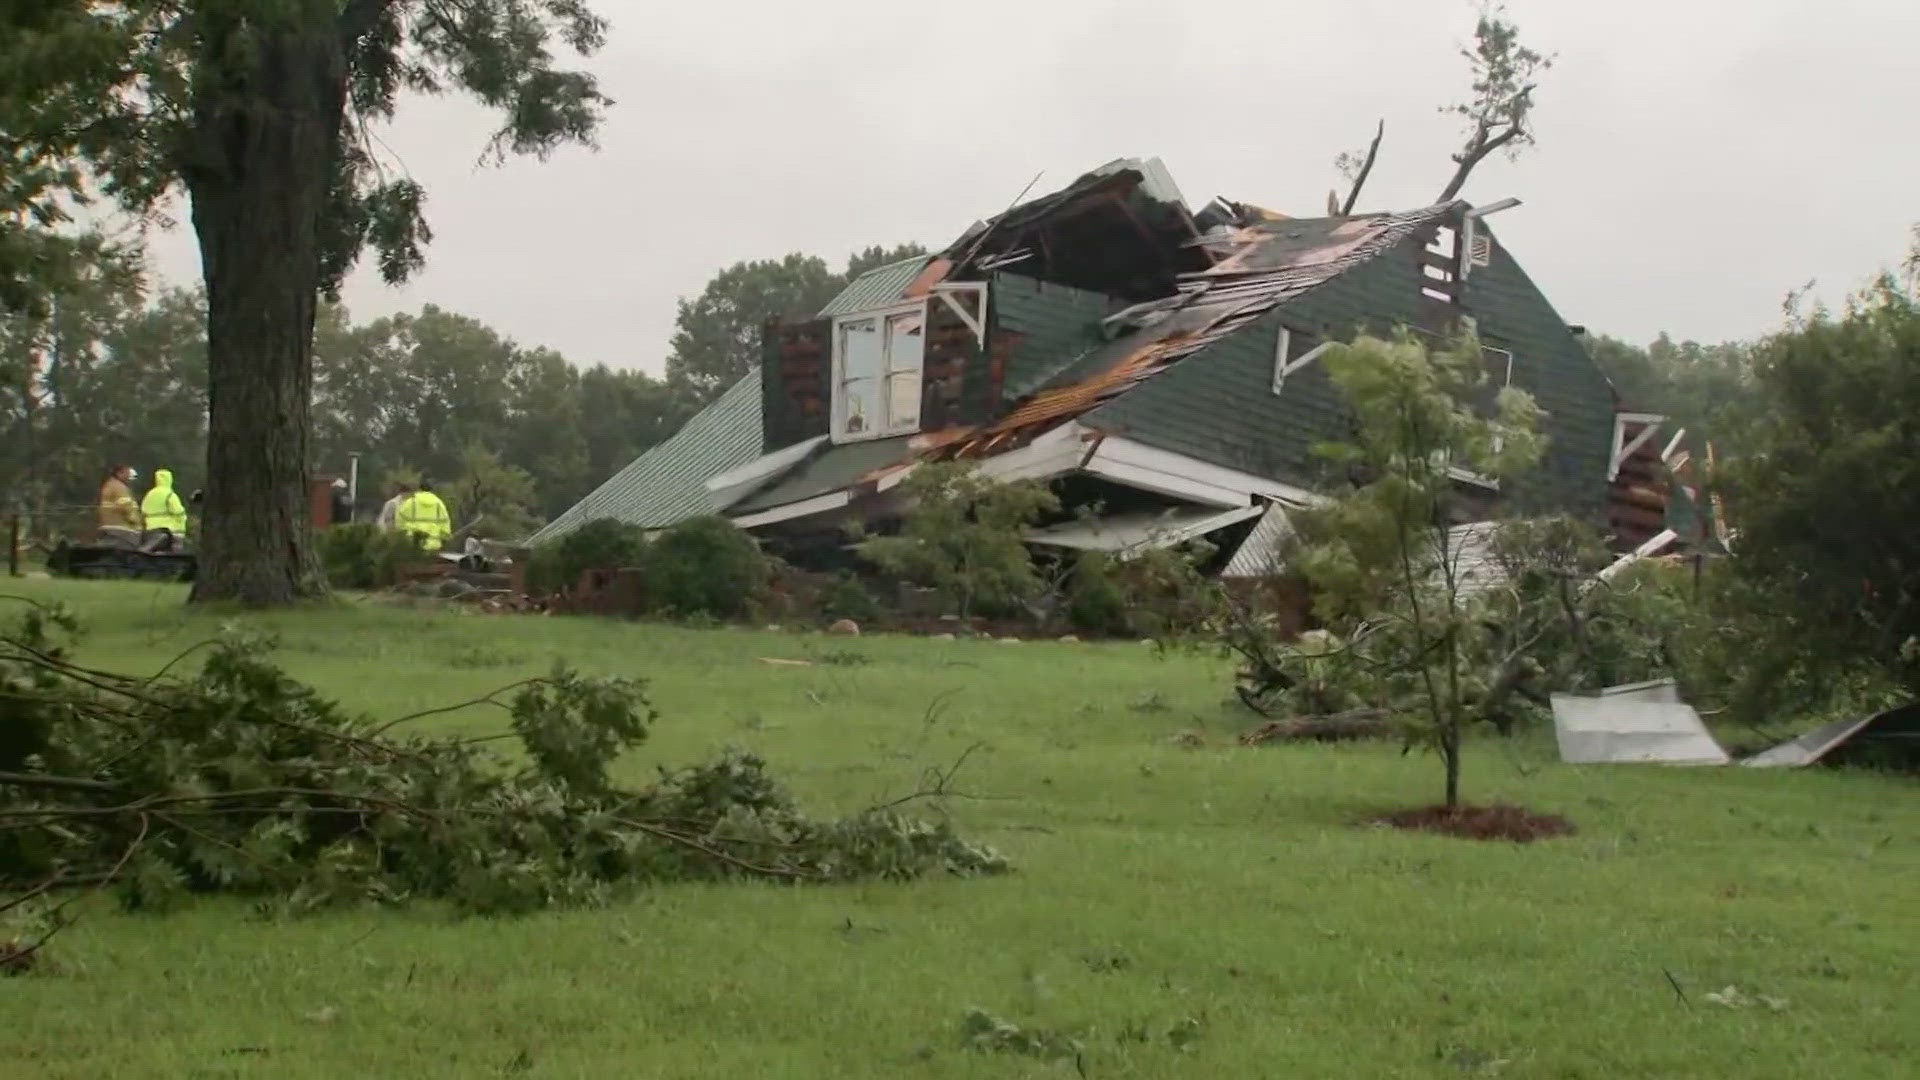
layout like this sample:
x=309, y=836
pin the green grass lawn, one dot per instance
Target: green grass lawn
x=1155, y=884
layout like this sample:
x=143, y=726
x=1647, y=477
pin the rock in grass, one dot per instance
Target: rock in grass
x=844, y=626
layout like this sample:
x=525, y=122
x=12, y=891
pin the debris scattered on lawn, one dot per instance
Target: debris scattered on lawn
x=778, y=662
x=1890, y=739
x=1639, y=722
x=1497, y=822
x=1339, y=727
x=1733, y=997
x=841, y=658
x=1468, y=1059
x=238, y=779
x=984, y=1032
x=1190, y=740
x=17, y=957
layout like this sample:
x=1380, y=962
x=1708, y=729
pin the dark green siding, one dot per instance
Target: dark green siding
x=1550, y=364
x=1218, y=405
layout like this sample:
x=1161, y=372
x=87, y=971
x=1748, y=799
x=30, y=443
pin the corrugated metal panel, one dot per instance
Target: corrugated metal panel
x=667, y=483
x=877, y=287
x=1475, y=570
x=1259, y=553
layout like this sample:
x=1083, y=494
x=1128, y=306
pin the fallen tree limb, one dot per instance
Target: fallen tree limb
x=1338, y=727
x=238, y=779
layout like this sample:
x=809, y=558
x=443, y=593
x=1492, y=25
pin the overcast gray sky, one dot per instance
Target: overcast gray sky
x=1697, y=158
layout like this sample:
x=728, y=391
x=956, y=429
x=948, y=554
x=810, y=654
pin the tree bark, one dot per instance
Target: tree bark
x=268, y=103
x=1474, y=154
x=1366, y=170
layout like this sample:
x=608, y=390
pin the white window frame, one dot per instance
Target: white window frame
x=1282, y=367
x=890, y=427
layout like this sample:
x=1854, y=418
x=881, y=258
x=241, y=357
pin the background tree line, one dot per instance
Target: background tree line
x=107, y=372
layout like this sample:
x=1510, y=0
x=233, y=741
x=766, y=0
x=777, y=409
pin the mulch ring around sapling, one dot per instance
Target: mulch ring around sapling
x=1497, y=822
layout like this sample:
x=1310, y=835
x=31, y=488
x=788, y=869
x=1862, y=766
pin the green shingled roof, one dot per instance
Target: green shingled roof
x=667, y=483
x=1053, y=326
x=877, y=287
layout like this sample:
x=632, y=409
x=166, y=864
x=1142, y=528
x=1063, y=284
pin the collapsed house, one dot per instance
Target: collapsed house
x=1152, y=360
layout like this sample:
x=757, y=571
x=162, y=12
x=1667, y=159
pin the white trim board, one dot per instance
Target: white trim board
x=1050, y=454
x=832, y=500
x=1623, y=448
x=1120, y=458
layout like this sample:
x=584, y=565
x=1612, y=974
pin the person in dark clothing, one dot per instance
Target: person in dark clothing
x=342, y=508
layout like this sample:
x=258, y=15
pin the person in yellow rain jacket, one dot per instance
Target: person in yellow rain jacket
x=117, y=508
x=425, y=518
x=162, y=506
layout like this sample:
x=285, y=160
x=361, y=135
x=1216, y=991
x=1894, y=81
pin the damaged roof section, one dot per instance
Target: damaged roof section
x=877, y=287
x=1106, y=331
x=1262, y=264
x=1122, y=229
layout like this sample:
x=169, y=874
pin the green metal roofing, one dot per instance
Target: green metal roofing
x=829, y=470
x=667, y=483
x=877, y=287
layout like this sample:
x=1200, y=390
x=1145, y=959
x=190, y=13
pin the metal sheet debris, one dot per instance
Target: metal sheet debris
x=1640, y=722
x=1889, y=740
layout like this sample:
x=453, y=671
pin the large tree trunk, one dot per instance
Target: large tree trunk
x=267, y=131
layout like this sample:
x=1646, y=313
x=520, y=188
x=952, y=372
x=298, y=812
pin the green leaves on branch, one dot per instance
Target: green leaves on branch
x=1385, y=562
x=965, y=536
x=238, y=779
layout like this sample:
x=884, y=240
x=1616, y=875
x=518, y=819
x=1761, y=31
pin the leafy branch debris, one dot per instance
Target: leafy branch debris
x=241, y=780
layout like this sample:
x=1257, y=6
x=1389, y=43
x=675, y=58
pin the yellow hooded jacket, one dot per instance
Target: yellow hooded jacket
x=162, y=506
x=426, y=517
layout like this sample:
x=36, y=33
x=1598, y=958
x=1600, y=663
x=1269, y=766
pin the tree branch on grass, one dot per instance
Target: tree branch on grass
x=247, y=782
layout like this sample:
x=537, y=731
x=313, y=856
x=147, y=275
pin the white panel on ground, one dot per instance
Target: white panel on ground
x=1644, y=722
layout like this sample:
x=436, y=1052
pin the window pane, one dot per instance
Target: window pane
x=906, y=352
x=862, y=359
